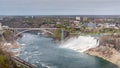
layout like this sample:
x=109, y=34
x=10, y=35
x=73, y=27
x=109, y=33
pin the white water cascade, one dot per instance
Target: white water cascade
x=81, y=43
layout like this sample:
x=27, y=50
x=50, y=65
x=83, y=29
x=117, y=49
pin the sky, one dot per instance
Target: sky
x=59, y=7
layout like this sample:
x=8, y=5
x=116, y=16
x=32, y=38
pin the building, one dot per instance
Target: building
x=110, y=20
x=91, y=25
x=58, y=23
x=117, y=24
x=78, y=18
x=1, y=18
x=5, y=27
x=0, y=26
x=85, y=24
x=76, y=23
x=85, y=18
x=107, y=25
x=100, y=25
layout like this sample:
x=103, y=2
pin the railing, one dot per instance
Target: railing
x=30, y=28
x=23, y=62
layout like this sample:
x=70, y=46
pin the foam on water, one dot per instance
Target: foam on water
x=81, y=43
x=45, y=65
x=18, y=50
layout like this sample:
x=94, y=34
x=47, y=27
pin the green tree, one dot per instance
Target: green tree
x=57, y=34
x=8, y=35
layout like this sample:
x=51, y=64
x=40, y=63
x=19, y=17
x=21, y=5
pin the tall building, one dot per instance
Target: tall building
x=78, y=18
x=85, y=18
x=1, y=18
x=0, y=26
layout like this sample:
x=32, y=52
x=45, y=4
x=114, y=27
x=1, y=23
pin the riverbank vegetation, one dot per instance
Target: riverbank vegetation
x=5, y=60
x=98, y=31
x=8, y=35
x=57, y=34
x=5, y=56
x=82, y=31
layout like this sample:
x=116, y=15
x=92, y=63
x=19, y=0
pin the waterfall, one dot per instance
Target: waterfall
x=81, y=43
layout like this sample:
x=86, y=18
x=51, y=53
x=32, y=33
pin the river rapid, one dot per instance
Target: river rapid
x=45, y=53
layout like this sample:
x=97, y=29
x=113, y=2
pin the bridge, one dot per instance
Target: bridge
x=47, y=30
x=29, y=28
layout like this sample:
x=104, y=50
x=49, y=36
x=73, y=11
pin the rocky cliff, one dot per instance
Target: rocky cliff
x=109, y=49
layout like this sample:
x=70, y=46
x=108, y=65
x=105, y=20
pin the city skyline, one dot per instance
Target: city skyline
x=59, y=7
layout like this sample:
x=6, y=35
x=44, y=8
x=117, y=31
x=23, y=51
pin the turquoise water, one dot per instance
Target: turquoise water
x=45, y=53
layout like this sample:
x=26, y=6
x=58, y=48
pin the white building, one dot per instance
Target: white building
x=107, y=25
x=78, y=18
x=5, y=27
x=0, y=26
x=58, y=23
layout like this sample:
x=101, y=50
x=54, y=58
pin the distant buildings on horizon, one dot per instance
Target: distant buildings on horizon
x=76, y=21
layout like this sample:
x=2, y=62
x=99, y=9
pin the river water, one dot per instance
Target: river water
x=45, y=53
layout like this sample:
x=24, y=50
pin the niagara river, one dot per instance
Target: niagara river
x=46, y=53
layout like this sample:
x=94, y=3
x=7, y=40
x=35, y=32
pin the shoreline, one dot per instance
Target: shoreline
x=108, y=49
x=9, y=47
x=109, y=54
x=113, y=58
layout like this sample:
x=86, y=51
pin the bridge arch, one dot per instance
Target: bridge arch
x=44, y=30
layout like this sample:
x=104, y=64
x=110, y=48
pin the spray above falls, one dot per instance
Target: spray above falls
x=81, y=43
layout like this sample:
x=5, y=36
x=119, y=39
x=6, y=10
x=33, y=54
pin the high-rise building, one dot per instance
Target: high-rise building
x=85, y=18
x=78, y=18
x=1, y=18
x=0, y=26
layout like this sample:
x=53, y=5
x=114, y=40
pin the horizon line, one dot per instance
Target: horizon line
x=64, y=15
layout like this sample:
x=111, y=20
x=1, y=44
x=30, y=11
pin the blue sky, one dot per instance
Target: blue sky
x=59, y=7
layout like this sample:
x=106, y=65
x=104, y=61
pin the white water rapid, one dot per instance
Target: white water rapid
x=81, y=43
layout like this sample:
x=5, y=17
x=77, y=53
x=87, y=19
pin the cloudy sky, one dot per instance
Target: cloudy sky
x=59, y=7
